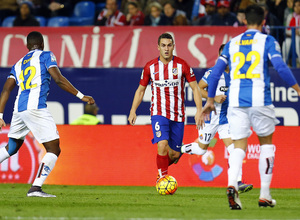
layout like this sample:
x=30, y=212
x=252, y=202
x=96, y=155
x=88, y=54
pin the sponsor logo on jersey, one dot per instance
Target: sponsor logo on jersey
x=192, y=72
x=142, y=76
x=223, y=88
x=207, y=73
x=53, y=58
x=166, y=83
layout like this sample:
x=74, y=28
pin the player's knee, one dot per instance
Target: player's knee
x=13, y=146
x=163, y=146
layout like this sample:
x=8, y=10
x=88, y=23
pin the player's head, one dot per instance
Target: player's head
x=91, y=109
x=166, y=46
x=35, y=41
x=221, y=48
x=254, y=15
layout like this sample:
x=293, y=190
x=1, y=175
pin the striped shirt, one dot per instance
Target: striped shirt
x=117, y=19
x=32, y=76
x=247, y=56
x=168, y=87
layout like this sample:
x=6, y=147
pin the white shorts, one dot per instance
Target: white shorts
x=38, y=121
x=261, y=118
x=209, y=131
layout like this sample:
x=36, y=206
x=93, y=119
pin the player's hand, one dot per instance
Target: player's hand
x=199, y=120
x=2, y=123
x=89, y=99
x=132, y=118
x=220, y=98
x=207, y=109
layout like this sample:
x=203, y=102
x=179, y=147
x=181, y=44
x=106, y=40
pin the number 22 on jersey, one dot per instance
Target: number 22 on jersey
x=26, y=83
x=241, y=59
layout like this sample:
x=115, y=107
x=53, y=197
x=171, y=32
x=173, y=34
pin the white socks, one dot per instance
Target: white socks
x=235, y=163
x=45, y=168
x=192, y=148
x=266, y=164
x=230, y=148
x=3, y=154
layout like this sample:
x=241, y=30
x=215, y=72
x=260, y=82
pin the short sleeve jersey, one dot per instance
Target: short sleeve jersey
x=222, y=89
x=247, y=56
x=32, y=76
x=168, y=86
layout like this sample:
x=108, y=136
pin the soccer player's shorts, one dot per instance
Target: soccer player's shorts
x=209, y=131
x=165, y=129
x=261, y=118
x=39, y=121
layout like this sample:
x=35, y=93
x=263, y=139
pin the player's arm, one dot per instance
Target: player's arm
x=64, y=84
x=138, y=97
x=7, y=88
x=198, y=101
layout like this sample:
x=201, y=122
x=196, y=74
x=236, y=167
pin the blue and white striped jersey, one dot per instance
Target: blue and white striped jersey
x=247, y=56
x=222, y=89
x=32, y=76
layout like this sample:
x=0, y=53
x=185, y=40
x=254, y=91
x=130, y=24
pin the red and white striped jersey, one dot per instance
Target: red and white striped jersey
x=168, y=87
x=118, y=19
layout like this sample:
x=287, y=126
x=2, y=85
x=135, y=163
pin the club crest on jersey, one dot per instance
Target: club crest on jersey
x=158, y=134
x=53, y=58
x=175, y=71
x=201, y=137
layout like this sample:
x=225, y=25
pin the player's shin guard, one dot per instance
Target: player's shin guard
x=46, y=166
x=162, y=164
x=3, y=154
x=192, y=148
x=266, y=163
x=235, y=163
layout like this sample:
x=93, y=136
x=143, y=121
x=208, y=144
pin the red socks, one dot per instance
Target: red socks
x=162, y=164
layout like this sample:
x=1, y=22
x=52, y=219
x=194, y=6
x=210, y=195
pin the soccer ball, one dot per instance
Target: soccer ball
x=166, y=185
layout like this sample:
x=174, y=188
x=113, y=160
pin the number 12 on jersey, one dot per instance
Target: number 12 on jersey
x=27, y=82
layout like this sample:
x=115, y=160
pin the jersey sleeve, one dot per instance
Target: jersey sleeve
x=145, y=77
x=12, y=73
x=49, y=59
x=188, y=73
x=273, y=47
x=206, y=75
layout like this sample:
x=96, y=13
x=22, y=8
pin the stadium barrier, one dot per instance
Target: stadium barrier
x=124, y=155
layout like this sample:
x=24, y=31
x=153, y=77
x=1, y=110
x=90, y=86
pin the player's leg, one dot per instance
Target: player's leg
x=10, y=149
x=240, y=131
x=45, y=131
x=265, y=127
x=175, y=139
x=206, y=134
x=160, y=128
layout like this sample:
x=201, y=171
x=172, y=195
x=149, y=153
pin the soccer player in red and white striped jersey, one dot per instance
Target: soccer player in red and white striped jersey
x=167, y=75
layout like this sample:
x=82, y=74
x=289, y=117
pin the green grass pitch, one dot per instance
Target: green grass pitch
x=129, y=202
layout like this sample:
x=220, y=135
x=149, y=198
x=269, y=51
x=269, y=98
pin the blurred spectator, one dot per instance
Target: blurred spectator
x=170, y=13
x=52, y=8
x=295, y=20
x=236, y=5
x=154, y=18
x=277, y=7
x=223, y=17
x=180, y=20
x=135, y=16
x=8, y=8
x=186, y=6
x=198, y=11
x=25, y=18
x=89, y=117
x=124, y=3
x=240, y=16
x=288, y=12
x=210, y=10
x=111, y=16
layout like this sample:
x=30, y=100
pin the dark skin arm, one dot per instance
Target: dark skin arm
x=64, y=84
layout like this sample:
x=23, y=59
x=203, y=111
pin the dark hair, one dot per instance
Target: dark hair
x=295, y=2
x=165, y=35
x=35, y=38
x=221, y=48
x=135, y=4
x=254, y=15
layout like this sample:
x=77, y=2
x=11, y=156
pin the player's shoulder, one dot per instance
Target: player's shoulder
x=151, y=62
x=180, y=60
x=47, y=55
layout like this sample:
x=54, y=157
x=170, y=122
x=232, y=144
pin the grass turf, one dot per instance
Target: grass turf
x=129, y=202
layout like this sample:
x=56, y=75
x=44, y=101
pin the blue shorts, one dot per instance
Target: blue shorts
x=165, y=129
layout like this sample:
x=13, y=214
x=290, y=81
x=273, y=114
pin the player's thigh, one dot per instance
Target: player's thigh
x=239, y=123
x=263, y=120
x=18, y=128
x=160, y=128
x=207, y=133
x=176, y=135
x=41, y=123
